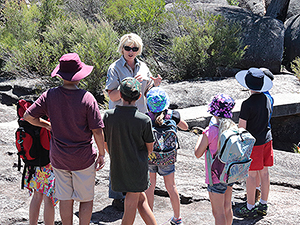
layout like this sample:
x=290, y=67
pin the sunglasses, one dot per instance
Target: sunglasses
x=134, y=49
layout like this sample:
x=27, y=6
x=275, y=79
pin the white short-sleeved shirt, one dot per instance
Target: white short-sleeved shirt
x=119, y=70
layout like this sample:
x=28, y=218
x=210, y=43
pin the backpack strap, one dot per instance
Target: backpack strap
x=22, y=152
x=209, y=161
x=31, y=170
x=209, y=158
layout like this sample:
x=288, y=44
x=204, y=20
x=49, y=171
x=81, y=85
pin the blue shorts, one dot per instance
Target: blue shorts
x=162, y=170
x=218, y=188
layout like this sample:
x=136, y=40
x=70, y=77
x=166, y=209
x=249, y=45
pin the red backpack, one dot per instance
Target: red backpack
x=32, y=142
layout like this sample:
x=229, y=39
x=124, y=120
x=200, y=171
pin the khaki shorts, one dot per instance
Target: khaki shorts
x=77, y=185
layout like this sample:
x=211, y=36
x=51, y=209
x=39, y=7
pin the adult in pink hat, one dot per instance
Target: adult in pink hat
x=75, y=119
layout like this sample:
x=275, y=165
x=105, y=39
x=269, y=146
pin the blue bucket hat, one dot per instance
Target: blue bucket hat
x=157, y=99
x=221, y=106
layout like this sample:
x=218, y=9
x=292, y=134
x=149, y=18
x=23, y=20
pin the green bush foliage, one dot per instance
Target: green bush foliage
x=200, y=44
x=35, y=48
x=143, y=17
x=296, y=67
x=179, y=44
x=233, y=2
x=22, y=44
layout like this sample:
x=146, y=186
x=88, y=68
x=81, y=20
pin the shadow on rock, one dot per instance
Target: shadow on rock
x=106, y=215
x=240, y=220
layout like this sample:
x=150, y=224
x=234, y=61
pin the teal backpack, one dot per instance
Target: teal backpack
x=232, y=162
x=165, y=141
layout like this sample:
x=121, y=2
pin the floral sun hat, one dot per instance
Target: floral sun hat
x=221, y=106
x=157, y=99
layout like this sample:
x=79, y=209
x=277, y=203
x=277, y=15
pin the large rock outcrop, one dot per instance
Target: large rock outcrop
x=258, y=7
x=263, y=36
x=291, y=40
x=294, y=8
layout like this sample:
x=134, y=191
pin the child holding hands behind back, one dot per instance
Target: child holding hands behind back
x=129, y=141
x=75, y=119
x=158, y=102
x=219, y=193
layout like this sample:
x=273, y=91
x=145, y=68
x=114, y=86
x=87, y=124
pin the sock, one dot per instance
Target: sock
x=263, y=201
x=258, y=188
x=250, y=206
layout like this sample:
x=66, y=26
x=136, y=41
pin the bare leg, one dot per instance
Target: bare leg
x=66, y=211
x=34, y=208
x=251, y=187
x=258, y=179
x=228, y=206
x=130, y=207
x=48, y=211
x=85, y=212
x=217, y=204
x=265, y=183
x=145, y=211
x=173, y=193
x=150, y=191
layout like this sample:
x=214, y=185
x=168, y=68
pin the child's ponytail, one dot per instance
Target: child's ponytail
x=159, y=117
x=224, y=124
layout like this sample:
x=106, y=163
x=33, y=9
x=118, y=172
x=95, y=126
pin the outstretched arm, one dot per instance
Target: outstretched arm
x=99, y=139
x=114, y=95
x=183, y=125
x=157, y=80
x=37, y=121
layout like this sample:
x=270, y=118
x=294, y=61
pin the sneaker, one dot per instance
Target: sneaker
x=245, y=212
x=262, y=209
x=118, y=204
x=178, y=221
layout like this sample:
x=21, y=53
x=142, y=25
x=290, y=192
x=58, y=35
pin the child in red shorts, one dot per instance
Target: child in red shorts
x=254, y=117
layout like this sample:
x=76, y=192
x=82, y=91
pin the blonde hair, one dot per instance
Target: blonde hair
x=159, y=117
x=224, y=124
x=131, y=39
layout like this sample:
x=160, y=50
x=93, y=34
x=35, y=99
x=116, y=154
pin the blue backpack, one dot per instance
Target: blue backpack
x=165, y=141
x=232, y=162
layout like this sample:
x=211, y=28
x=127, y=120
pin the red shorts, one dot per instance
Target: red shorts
x=262, y=155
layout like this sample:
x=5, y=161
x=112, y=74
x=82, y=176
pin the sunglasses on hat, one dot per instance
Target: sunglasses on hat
x=134, y=49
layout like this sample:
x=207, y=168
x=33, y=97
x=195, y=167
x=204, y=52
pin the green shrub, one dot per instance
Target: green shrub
x=143, y=17
x=37, y=52
x=233, y=2
x=296, y=148
x=21, y=38
x=200, y=44
x=296, y=67
x=87, y=9
x=98, y=47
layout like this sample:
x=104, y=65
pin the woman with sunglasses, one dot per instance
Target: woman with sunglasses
x=128, y=65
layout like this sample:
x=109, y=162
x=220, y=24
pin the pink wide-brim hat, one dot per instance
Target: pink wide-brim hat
x=71, y=68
